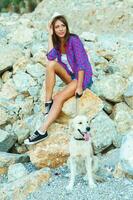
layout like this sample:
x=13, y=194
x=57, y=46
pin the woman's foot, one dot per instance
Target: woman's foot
x=37, y=136
x=48, y=106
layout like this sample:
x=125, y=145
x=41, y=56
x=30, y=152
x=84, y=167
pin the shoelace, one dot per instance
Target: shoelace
x=32, y=137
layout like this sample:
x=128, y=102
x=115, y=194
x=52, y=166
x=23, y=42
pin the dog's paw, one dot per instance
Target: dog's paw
x=92, y=185
x=69, y=188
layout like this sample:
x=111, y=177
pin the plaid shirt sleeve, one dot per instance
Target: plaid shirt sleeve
x=52, y=54
x=80, y=54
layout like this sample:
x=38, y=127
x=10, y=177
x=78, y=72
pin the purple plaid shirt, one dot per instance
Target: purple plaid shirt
x=77, y=58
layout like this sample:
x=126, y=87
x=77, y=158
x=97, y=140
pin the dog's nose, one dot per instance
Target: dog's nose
x=88, y=129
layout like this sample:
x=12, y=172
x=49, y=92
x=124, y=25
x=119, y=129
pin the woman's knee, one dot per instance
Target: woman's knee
x=58, y=98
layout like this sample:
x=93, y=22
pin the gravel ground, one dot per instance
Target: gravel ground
x=112, y=189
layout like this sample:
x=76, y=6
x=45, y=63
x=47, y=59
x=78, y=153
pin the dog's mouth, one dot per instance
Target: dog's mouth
x=85, y=135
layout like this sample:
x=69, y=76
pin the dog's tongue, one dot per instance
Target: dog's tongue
x=86, y=136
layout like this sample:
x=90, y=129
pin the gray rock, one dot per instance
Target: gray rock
x=8, y=90
x=16, y=171
x=89, y=36
x=37, y=47
x=103, y=132
x=23, y=81
x=34, y=90
x=35, y=70
x=22, y=187
x=13, y=52
x=33, y=122
x=100, y=62
x=20, y=131
x=122, y=63
x=122, y=116
x=110, y=87
x=7, y=159
x=26, y=107
x=7, y=140
x=18, y=37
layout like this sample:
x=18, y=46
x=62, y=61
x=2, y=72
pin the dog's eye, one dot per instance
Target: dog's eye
x=80, y=122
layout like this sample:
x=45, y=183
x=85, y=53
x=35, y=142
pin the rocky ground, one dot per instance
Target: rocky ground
x=111, y=189
x=55, y=188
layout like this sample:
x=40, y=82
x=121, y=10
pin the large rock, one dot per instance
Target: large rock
x=20, y=64
x=122, y=116
x=18, y=37
x=20, y=130
x=7, y=140
x=52, y=152
x=7, y=159
x=103, y=132
x=110, y=87
x=8, y=90
x=26, y=106
x=88, y=104
x=40, y=57
x=23, y=81
x=122, y=63
x=13, y=52
x=16, y=171
x=21, y=188
x=33, y=122
x=35, y=70
x=98, y=16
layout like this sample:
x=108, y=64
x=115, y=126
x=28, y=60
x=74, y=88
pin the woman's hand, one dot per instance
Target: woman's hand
x=79, y=91
x=50, y=28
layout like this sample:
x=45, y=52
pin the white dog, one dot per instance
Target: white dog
x=80, y=148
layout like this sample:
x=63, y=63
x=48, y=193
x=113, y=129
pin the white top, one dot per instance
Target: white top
x=64, y=60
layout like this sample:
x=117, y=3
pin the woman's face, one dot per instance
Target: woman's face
x=60, y=29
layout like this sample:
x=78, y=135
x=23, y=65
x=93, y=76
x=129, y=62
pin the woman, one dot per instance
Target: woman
x=67, y=59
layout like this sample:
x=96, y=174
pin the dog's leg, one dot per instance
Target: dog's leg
x=88, y=163
x=73, y=174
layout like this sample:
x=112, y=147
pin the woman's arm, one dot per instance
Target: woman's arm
x=79, y=89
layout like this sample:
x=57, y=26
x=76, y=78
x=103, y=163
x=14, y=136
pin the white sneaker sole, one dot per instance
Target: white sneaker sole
x=27, y=142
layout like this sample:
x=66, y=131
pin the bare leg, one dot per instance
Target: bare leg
x=58, y=102
x=54, y=68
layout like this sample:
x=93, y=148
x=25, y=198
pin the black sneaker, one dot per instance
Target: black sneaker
x=35, y=138
x=47, y=108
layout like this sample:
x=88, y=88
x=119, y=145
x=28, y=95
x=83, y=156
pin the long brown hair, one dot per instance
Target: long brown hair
x=55, y=38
